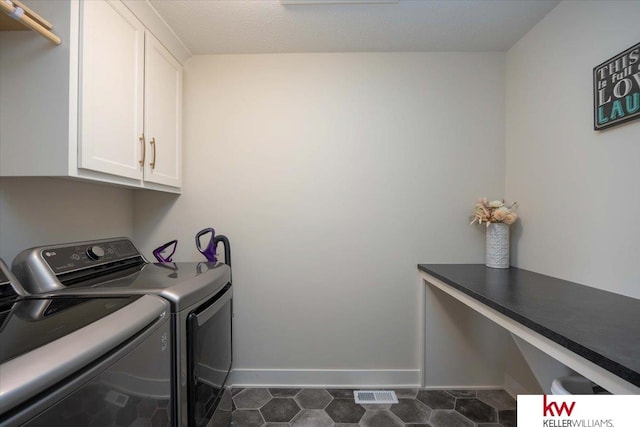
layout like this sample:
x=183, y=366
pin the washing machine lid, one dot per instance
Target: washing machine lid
x=115, y=267
x=32, y=323
x=45, y=340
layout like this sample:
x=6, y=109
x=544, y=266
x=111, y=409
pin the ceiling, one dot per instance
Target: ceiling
x=270, y=26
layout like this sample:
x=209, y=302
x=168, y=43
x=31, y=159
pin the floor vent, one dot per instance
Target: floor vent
x=375, y=396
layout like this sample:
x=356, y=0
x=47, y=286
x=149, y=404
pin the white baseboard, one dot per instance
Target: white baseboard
x=465, y=387
x=340, y=378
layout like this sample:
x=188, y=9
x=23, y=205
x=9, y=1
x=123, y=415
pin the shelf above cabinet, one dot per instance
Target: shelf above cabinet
x=18, y=17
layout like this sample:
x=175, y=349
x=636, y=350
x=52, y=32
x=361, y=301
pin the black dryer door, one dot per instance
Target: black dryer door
x=208, y=356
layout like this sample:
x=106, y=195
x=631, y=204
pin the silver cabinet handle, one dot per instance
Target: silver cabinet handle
x=144, y=150
x=153, y=144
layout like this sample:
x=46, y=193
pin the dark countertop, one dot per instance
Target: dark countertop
x=600, y=326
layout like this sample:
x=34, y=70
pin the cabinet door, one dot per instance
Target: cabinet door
x=162, y=115
x=111, y=89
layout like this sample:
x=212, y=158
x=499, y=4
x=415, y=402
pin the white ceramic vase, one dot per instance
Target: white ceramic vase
x=497, y=255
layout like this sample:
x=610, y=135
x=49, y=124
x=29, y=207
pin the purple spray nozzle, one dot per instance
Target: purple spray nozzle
x=159, y=251
x=210, y=250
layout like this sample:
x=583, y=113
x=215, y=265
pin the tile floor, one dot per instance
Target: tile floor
x=286, y=407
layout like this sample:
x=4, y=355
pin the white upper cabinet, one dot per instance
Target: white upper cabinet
x=111, y=89
x=162, y=115
x=105, y=106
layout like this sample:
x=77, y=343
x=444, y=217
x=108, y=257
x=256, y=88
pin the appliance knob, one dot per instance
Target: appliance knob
x=95, y=252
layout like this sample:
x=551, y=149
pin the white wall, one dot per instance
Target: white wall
x=333, y=175
x=34, y=96
x=578, y=188
x=40, y=211
x=463, y=349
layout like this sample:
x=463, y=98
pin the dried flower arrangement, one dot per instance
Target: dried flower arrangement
x=495, y=211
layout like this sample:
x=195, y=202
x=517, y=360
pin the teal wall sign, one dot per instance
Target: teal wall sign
x=616, y=89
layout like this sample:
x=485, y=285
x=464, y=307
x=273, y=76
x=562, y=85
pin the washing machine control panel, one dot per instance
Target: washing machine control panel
x=63, y=259
x=54, y=267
